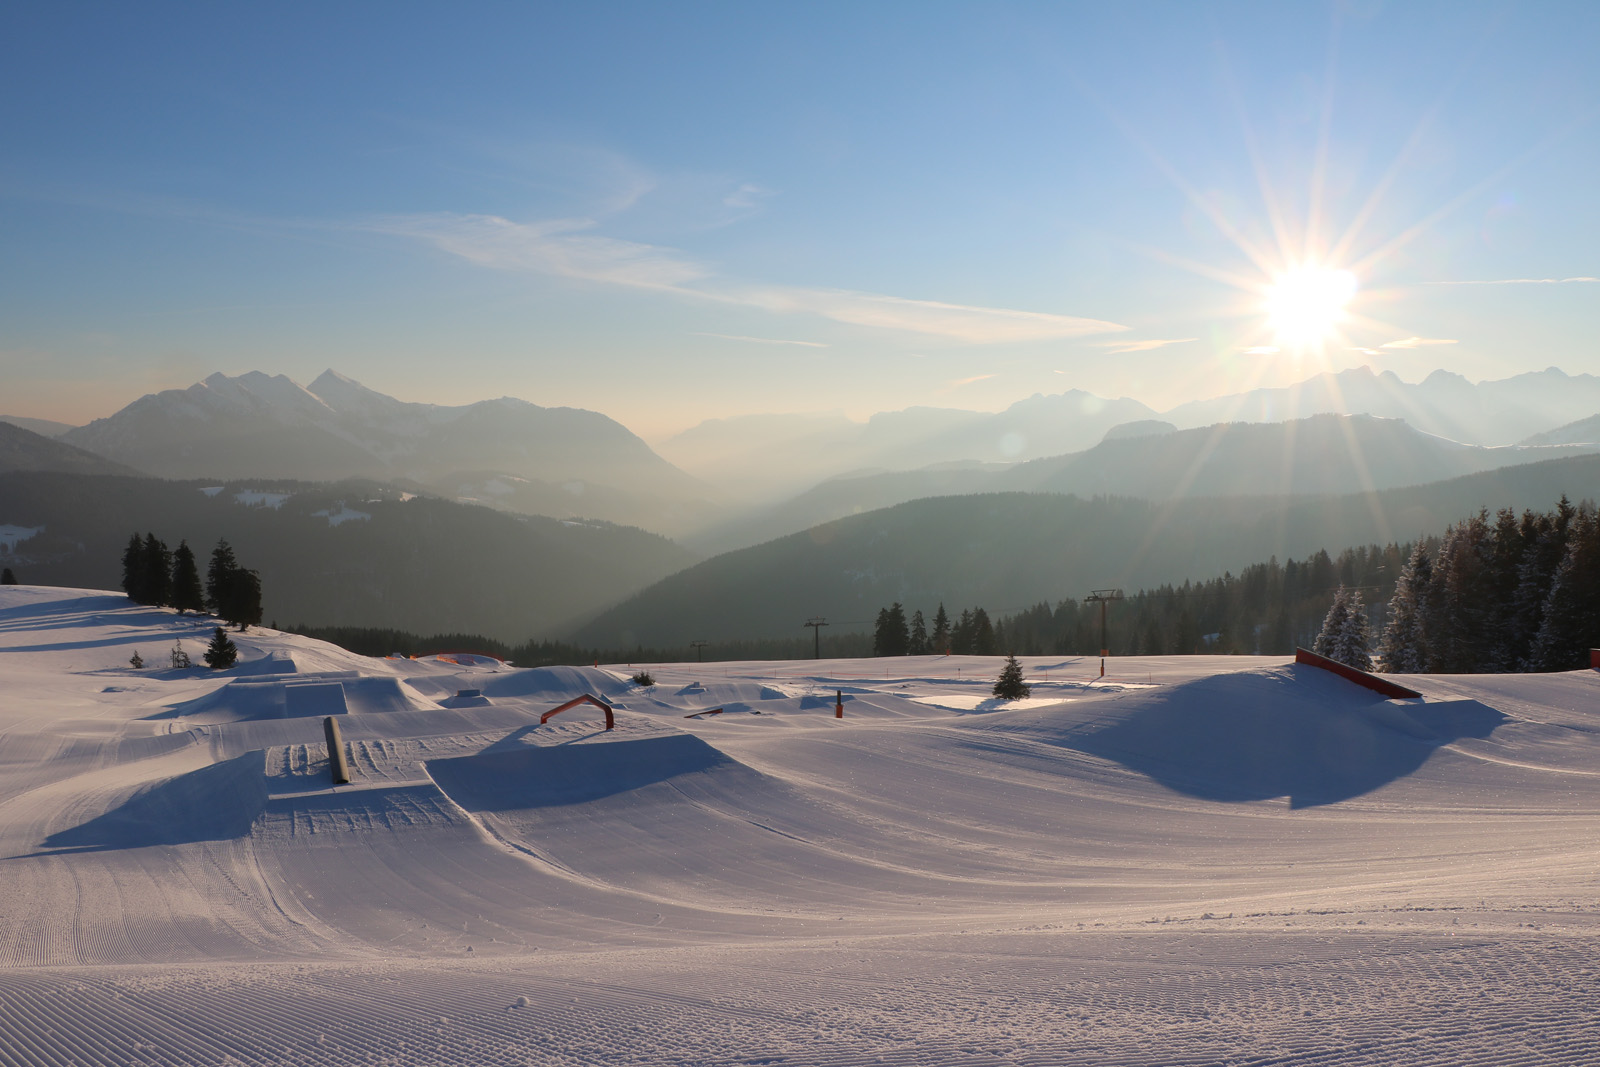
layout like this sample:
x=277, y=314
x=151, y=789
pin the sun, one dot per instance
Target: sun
x=1305, y=305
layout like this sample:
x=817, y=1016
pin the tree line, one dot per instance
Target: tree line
x=1515, y=593
x=1511, y=593
x=153, y=575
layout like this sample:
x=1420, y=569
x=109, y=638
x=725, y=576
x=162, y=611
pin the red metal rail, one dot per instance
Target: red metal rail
x=1371, y=681
x=574, y=702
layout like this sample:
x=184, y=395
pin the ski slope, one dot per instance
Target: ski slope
x=1196, y=860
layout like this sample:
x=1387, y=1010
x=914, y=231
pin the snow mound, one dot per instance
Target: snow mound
x=516, y=776
x=1294, y=732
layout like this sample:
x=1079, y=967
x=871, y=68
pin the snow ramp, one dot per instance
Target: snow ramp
x=1295, y=732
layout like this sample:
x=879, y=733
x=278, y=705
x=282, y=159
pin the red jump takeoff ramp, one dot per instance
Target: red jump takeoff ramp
x=1371, y=681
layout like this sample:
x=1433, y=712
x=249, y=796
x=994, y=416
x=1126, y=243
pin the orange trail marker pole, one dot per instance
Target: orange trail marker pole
x=838, y=703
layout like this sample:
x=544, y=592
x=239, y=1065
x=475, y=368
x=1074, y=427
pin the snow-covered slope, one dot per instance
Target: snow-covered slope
x=1197, y=860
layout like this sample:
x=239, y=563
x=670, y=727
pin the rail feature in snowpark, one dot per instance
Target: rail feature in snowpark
x=1349, y=673
x=708, y=711
x=574, y=702
x=336, y=763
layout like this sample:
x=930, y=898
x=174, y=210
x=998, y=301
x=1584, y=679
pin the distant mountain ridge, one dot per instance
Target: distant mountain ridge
x=1584, y=431
x=1007, y=551
x=351, y=553
x=1318, y=455
x=1494, y=412
x=25, y=450
x=267, y=426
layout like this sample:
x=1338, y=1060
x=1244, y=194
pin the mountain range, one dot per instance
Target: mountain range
x=567, y=461
x=1323, y=454
x=331, y=554
x=771, y=456
x=1007, y=551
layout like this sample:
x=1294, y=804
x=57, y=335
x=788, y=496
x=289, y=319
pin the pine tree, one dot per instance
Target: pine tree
x=982, y=640
x=218, y=574
x=6, y=577
x=243, y=606
x=919, y=634
x=1333, y=626
x=1571, y=623
x=133, y=570
x=186, y=592
x=1354, y=641
x=890, y=637
x=1403, y=648
x=221, y=653
x=1010, y=686
x=941, y=632
x=157, y=572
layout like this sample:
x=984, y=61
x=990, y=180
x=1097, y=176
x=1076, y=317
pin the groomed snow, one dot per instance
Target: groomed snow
x=1195, y=860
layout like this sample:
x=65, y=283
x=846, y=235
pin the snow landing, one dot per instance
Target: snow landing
x=1199, y=860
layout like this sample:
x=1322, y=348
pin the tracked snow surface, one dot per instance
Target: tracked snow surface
x=1197, y=860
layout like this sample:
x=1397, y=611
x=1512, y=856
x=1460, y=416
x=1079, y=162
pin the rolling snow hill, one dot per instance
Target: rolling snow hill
x=1196, y=860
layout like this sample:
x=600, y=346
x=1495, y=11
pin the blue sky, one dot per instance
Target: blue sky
x=673, y=212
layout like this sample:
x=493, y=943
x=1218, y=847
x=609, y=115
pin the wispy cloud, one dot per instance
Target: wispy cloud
x=563, y=248
x=762, y=340
x=1143, y=346
x=959, y=382
x=1582, y=280
x=1419, y=342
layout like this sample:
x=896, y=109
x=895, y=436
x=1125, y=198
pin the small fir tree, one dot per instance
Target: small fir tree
x=136, y=661
x=180, y=658
x=221, y=653
x=6, y=577
x=1333, y=625
x=1010, y=686
x=1344, y=632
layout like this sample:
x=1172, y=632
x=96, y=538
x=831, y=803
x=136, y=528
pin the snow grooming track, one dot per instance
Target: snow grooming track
x=1206, y=860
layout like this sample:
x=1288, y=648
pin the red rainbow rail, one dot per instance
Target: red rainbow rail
x=574, y=702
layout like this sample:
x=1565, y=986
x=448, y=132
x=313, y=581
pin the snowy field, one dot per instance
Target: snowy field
x=1197, y=860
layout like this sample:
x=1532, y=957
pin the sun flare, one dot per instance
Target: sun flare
x=1305, y=305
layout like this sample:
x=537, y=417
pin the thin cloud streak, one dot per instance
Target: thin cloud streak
x=969, y=381
x=1119, y=347
x=561, y=248
x=1581, y=279
x=762, y=340
x=1419, y=342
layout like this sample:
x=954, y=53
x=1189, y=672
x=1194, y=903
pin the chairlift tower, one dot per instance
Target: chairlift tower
x=698, y=646
x=816, y=622
x=1103, y=597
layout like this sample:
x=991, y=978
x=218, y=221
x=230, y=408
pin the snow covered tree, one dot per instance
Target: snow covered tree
x=221, y=653
x=1010, y=686
x=940, y=638
x=186, y=594
x=1403, y=649
x=1344, y=631
x=919, y=635
x=1571, y=622
x=7, y=578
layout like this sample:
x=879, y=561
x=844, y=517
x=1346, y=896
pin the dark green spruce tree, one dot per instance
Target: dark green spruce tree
x=1010, y=686
x=187, y=595
x=221, y=653
x=157, y=572
x=7, y=578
